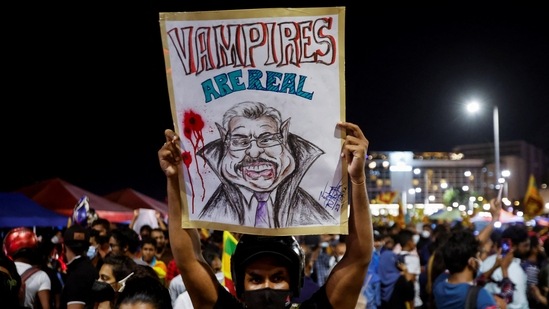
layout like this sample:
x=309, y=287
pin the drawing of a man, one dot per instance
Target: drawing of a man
x=260, y=165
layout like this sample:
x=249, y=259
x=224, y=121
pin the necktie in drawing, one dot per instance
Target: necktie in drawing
x=261, y=217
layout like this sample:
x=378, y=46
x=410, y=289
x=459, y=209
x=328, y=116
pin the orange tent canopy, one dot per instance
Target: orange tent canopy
x=61, y=197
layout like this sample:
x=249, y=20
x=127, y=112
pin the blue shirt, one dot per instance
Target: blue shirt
x=453, y=296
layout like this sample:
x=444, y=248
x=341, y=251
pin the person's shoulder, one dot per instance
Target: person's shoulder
x=177, y=280
x=82, y=267
x=42, y=275
x=441, y=278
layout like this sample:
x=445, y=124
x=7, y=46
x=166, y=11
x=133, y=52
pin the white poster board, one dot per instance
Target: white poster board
x=255, y=97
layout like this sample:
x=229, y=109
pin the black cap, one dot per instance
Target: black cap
x=76, y=236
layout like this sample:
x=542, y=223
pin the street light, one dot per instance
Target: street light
x=473, y=107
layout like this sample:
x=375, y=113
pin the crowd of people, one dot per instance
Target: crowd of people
x=430, y=265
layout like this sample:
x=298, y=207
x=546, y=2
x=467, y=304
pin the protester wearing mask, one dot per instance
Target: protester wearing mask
x=103, y=228
x=116, y=269
x=268, y=270
x=460, y=254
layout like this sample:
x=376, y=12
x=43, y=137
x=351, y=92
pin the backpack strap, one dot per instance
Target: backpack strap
x=471, y=300
x=29, y=272
x=24, y=276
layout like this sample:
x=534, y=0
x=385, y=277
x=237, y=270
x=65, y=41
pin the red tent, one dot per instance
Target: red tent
x=61, y=197
x=135, y=200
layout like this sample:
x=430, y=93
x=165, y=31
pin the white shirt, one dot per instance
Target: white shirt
x=517, y=276
x=179, y=295
x=39, y=281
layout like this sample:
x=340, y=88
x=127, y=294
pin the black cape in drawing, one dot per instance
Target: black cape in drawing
x=292, y=207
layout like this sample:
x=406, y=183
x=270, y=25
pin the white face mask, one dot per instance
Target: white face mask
x=415, y=238
x=425, y=234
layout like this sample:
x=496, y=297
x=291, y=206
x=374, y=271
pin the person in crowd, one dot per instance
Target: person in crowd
x=460, y=254
x=532, y=265
x=442, y=232
x=21, y=245
x=81, y=274
x=143, y=290
x=516, y=297
x=268, y=270
x=388, y=242
x=101, y=238
x=163, y=251
x=10, y=282
x=116, y=270
x=540, y=291
x=178, y=291
x=396, y=283
x=339, y=252
x=423, y=245
x=145, y=230
x=93, y=250
x=309, y=285
x=45, y=249
x=372, y=285
x=172, y=272
x=124, y=240
x=321, y=265
x=148, y=255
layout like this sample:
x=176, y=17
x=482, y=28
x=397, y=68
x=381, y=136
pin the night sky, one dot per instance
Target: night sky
x=86, y=96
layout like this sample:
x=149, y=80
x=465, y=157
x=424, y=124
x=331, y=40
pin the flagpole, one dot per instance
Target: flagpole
x=496, y=145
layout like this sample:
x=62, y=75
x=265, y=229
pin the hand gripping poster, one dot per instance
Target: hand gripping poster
x=255, y=97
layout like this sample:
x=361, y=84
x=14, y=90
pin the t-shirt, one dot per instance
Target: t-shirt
x=453, y=296
x=319, y=300
x=81, y=275
x=517, y=276
x=39, y=281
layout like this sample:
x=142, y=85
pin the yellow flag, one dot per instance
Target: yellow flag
x=533, y=203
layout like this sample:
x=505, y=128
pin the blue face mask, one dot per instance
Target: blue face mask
x=92, y=252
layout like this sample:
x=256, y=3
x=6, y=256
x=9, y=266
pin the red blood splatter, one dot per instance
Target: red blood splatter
x=187, y=159
x=193, y=124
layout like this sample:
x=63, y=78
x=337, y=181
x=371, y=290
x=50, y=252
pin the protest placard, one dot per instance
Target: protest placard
x=255, y=96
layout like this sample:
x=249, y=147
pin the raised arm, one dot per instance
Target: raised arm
x=495, y=211
x=345, y=281
x=185, y=243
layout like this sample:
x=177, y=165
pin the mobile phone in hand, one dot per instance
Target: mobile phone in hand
x=505, y=246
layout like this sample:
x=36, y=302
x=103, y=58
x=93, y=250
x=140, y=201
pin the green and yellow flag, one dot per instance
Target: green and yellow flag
x=229, y=245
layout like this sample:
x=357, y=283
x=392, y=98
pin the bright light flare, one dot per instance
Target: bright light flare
x=473, y=106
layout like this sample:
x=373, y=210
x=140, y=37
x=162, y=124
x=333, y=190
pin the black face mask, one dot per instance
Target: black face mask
x=267, y=299
x=102, y=291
